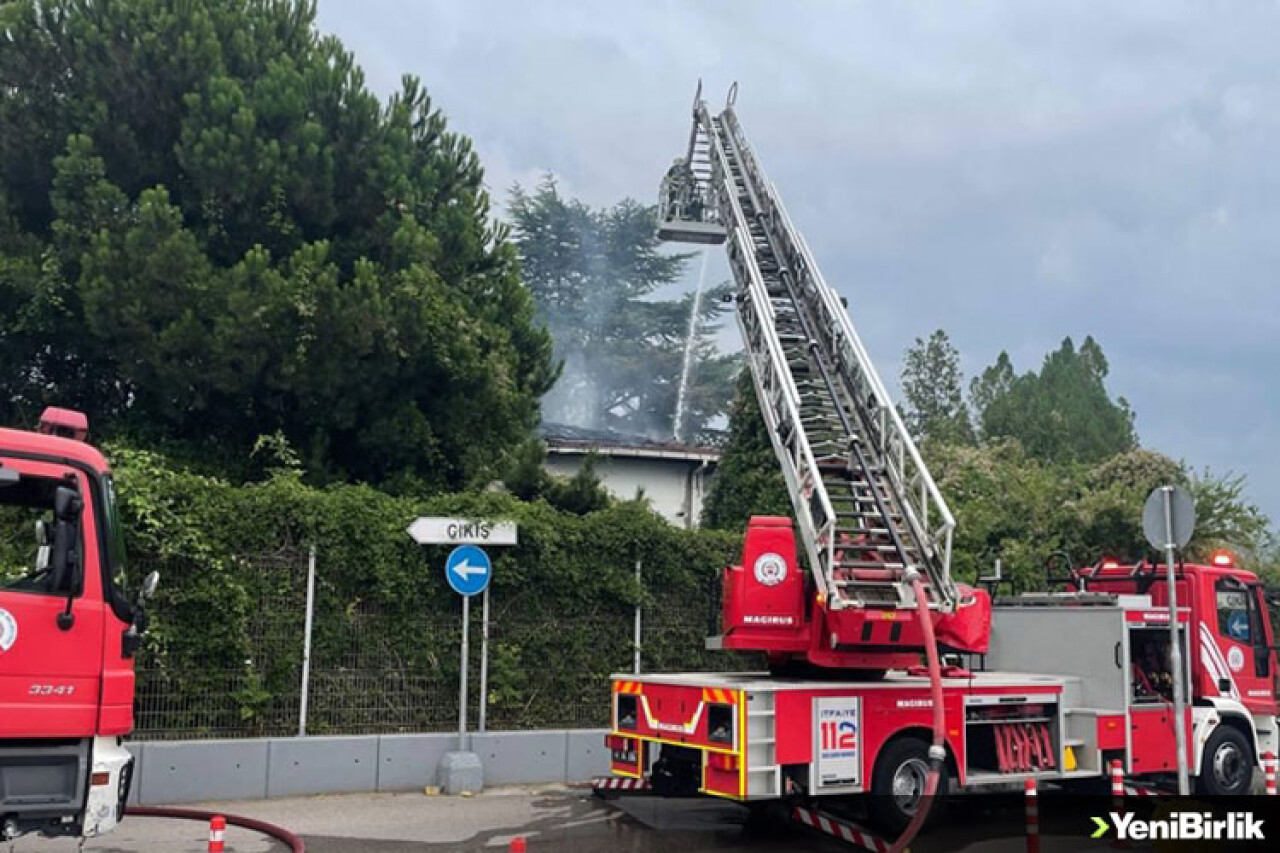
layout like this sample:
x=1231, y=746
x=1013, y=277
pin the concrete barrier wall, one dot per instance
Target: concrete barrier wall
x=209, y=770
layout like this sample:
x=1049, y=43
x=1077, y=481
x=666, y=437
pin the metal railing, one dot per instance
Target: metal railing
x=377, y=672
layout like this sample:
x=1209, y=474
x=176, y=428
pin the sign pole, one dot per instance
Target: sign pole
x=462, y=678
x=484, y=660
x=468, y=571
x=1175, y=649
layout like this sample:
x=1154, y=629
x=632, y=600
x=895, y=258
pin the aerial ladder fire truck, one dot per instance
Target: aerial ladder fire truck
x=846, y=597
x=68, y=635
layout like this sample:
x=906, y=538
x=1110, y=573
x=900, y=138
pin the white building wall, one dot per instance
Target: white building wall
x=676, y=488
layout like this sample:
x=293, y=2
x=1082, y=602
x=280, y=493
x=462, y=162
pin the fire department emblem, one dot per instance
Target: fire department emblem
x=1235, y=659
x=8, y=630
x=770, y=569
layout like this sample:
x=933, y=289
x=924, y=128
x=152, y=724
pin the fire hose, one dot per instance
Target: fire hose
x=937, y=750
x=293, y=842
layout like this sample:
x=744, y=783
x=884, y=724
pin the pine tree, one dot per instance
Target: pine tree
x=932, y=386
x=594, y=275
x=1063, y=413
x=748, y=480
x=210, y=230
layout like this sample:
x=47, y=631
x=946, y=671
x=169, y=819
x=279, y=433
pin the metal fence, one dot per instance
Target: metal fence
x=545, y=669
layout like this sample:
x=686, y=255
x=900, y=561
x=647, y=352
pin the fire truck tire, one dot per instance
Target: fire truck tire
x=898, y=782
x=1226, y=769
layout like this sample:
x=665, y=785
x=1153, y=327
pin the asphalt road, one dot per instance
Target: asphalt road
x=559, y=820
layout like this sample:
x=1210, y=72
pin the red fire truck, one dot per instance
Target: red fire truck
x=68, y=635
x=847, y=597
x=1070, y=681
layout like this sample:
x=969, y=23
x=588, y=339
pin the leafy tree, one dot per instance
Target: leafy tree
x=210, y=230
x=1012, y=506
x=995, y=382
x=1011, y=502
x=528, y=479
x=1004, y=503
x=748, y=480
x=932, y=385
x=379, y=615
x=1225, y=518
x=582, y=493
x=594, y=275
x=1062, y=413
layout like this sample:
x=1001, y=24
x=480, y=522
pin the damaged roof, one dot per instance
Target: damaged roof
x=566, y=438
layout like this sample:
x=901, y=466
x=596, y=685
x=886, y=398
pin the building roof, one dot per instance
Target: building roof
x=565, y=438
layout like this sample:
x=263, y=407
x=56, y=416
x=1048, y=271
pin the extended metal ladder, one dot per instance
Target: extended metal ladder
x=866, y=506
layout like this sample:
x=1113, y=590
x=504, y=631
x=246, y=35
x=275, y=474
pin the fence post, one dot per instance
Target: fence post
x=306, y=642
x=635, y=664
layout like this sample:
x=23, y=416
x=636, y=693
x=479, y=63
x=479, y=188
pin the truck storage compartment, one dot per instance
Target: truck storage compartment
x=43, y=775
x=1004, y=739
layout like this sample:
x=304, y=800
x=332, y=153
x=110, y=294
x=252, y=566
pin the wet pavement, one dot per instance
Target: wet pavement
x=558, y=820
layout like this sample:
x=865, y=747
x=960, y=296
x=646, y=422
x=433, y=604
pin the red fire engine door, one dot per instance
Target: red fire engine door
x=50, y=667
x=1153, y=741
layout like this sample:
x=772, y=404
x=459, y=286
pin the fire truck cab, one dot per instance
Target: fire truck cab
x=68, y=635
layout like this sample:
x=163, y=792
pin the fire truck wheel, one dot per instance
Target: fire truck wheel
x=897, y=785
x=1227, y=766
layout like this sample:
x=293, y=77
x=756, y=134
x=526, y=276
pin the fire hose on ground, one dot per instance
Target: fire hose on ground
x=293, y=842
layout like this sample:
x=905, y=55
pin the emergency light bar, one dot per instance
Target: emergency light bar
x=64, y=423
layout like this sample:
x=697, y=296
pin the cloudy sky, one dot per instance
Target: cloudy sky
x=1011, y=172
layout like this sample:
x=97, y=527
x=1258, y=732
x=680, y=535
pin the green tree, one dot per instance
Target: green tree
x=210, y=230
x=748, y=480
x=595, y=275
x=1226, y=518
x=1062, y=413
x=932, y=385
x=995, y=382
x=1017, y=508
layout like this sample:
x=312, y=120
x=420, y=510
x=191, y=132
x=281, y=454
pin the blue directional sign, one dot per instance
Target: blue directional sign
x=468, y=570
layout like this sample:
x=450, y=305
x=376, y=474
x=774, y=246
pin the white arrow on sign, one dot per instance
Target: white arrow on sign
x=465, y=570
x=429, y=530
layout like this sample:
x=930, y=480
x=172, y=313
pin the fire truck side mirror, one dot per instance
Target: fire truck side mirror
x=65, y=566
x=132, y=639
x=148, y=588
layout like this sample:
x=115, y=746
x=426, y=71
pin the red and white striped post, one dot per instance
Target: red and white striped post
x=1033, y=817
x=1117, y=797
x=217, y=833
x=1269, y=772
